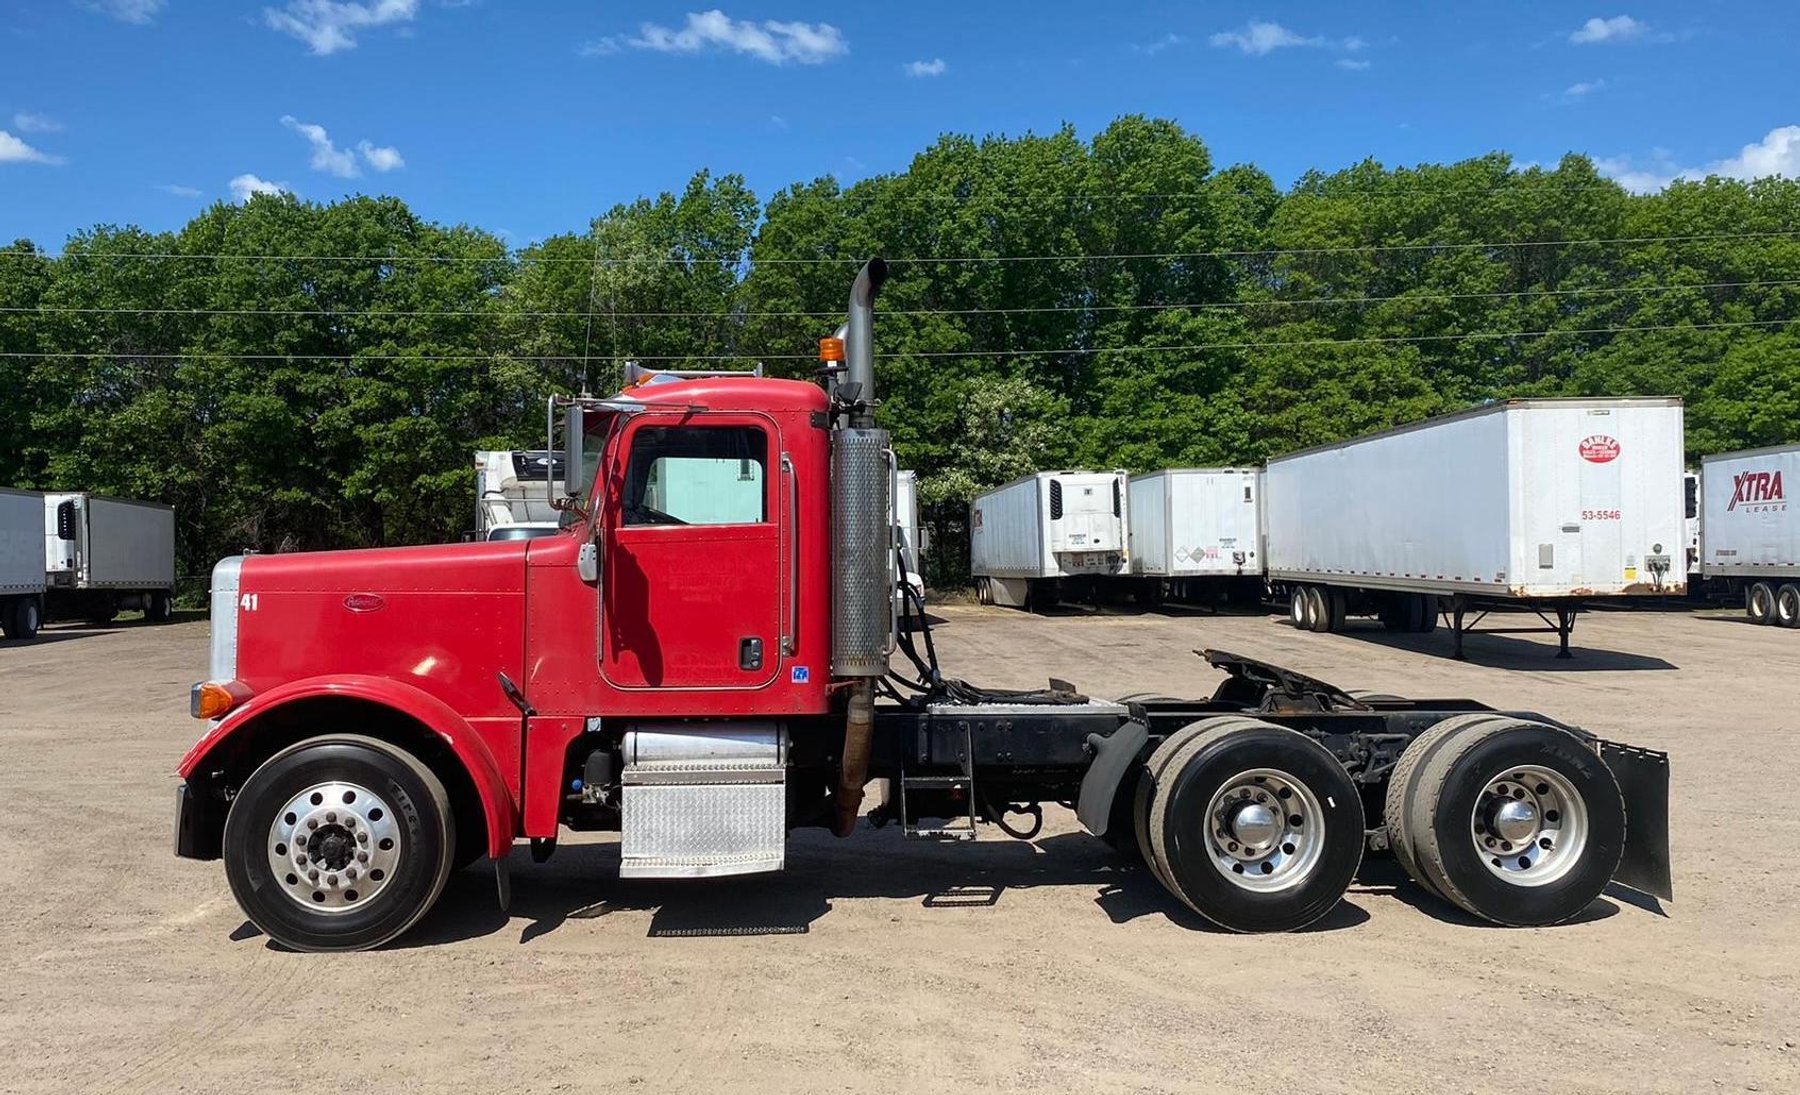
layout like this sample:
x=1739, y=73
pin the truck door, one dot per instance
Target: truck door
x=693, y=549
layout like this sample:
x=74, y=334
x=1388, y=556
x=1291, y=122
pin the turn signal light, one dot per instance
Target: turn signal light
x=831, y=349
x=210, y=700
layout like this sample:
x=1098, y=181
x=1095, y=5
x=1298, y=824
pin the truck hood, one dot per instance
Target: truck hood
x=444, y=618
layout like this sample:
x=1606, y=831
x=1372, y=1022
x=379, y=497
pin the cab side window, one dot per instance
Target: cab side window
x=697, y=475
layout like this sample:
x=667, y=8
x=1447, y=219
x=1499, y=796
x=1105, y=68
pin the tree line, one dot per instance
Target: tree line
x=292, y=375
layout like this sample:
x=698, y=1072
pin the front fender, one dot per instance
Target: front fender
x=435, y=715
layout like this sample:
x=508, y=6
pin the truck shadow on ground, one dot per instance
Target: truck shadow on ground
x=1385, y=876
x=581, y=883
x=1507, y=651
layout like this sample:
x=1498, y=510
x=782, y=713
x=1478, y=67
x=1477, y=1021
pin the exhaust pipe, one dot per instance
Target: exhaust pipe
x=862, y=605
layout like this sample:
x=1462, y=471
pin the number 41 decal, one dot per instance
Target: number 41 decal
x=247, y=602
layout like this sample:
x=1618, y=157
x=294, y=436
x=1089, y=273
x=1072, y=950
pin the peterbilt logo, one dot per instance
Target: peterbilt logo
x=1757, y=488
x=364, y=602
x=1599, y=449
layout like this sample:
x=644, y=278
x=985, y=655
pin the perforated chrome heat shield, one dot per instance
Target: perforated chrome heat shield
x=862, y=596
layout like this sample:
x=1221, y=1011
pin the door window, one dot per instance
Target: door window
x=697, y=475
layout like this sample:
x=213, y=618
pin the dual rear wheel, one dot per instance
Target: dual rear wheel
x=1766, y=603
x=1257, y=827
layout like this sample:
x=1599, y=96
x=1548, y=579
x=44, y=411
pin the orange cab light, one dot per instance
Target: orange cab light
x=831, y=349
x=210, y=700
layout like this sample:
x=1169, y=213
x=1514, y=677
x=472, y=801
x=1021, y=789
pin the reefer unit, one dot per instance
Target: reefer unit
x=1196, y=523
x=1052, y=526
x=21, y=562
x=1538, y=501
x=105, y=554
x=1749, y=536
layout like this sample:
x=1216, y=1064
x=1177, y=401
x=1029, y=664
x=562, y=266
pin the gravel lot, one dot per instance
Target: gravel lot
x=874, y=964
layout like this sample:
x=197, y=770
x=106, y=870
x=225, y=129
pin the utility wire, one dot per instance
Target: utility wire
x=1073, y=350
x=737, y=260
x=494, y=313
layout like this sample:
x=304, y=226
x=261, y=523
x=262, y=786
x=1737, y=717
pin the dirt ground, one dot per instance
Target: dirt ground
x=876, y=964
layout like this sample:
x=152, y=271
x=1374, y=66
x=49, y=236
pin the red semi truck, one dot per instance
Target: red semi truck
x=379, y=718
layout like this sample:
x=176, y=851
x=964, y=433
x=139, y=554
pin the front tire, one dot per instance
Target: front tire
x=339, y=843
x=1516, y=822
x=1256, y=827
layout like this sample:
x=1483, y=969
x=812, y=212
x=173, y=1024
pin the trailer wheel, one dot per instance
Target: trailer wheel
x=1297, y=608
x=1403, y=782
x=1759, y=603
x=1396, y=612
x=21, y=619
x=1257, y=827
x=1318, y=613
x=1337, y=608
x=338, y=843
x=1428, y=613
x=158, y=607
x=1516, y=822
x=1787, y=606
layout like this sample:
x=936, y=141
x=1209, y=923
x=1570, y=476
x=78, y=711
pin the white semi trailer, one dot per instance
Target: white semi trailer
x=1196, y=533
x=1055, y=532
x=1749, y=536
x=1538, y=504
x=21, y=563
x=103, y=555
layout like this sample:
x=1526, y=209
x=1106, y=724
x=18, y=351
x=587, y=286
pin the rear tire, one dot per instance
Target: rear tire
x=1428, y=613
x=1545, y=862
x=1297, y=608
x=1759, y=603
x=1318, y=613
x=21, y=619
x=378, y=791
x=1402, y=786
x=1787, y=606
x=1257, y=827
x=1143, y=799
x=158, y=607
x=1337, y=608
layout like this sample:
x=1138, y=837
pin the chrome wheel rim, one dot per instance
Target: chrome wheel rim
x=1265, y=831
x=1529, y=826
x=334, y=847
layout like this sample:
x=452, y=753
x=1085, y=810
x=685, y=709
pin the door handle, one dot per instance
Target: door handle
x=750, y=654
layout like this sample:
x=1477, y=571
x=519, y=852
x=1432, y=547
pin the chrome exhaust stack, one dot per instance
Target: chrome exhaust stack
x=862, y=623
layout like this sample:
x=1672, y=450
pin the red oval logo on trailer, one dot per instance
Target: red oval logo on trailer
x=1599, y=449
x=365, y=602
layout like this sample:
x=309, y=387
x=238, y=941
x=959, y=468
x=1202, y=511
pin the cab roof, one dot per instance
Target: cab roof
x=731, y=393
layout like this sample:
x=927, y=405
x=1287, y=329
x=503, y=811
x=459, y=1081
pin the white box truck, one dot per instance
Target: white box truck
x=1197, y=533
x=104, y=555
x=1050, y=534
x=1749, y=536
x=1539, y=504
x=21, y=563
x=907, y=536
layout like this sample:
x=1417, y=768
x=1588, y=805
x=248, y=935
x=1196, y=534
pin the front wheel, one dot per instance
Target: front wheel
x=339, y=843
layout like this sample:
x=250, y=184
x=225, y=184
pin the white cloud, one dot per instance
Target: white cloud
x=600, y=47
x=1258, y=38
x=327, y=26
x=1619, y=28
x=1583, y=89
x=1353, y=66
x=933, y=67
x=129, y=11
x=27, y=122
x=181, y=191
x=247, y=186
x=13, y=150
x=771, y=40
x=1156, y=47
x=325, y=155
x=778, y=121
x=382, y=158
x=1353, y=44
x=1778, y=153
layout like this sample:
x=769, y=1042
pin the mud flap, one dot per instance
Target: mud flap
x=1113, y=755
x=1643, y=778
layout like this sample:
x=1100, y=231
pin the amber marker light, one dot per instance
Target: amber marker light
x=831, y=349
x=210, y=700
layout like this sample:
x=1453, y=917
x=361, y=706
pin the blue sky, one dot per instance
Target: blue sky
x=530, y=116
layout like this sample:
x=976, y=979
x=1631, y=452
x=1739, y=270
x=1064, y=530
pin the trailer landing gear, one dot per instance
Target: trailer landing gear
x=1562, y=627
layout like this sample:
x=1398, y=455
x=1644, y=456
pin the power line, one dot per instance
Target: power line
x=736, y=260
x=491, y=313
x=1066, y=351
